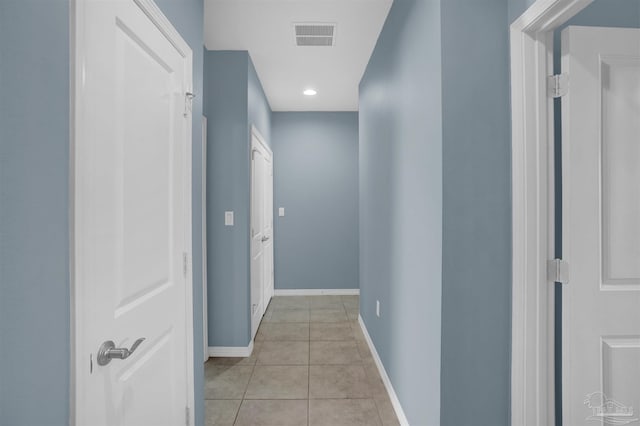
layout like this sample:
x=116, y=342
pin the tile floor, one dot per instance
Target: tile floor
x=310, y=366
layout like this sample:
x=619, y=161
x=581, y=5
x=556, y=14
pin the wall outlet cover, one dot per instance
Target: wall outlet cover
x=228, y=218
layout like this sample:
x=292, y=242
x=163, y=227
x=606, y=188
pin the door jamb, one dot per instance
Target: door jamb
x=76, y=131
x=532, y=361
x=205, y=301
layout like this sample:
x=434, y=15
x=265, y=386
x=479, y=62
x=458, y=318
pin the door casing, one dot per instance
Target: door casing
x=76, y=74
x=205, y=302
x=532, y=350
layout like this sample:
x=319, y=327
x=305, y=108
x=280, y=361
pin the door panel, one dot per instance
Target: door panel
x=601, y=225
x=132, y=217
x=621, y=369
x=620, y=170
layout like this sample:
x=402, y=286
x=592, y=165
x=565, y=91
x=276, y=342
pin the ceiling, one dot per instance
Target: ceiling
x=265, y=28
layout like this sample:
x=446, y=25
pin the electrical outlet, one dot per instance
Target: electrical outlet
x=228, y=218
x=378, y=308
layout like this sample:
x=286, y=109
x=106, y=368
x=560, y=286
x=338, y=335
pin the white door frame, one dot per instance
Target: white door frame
x=76, y=76
x=532, y=357
x=205, y=290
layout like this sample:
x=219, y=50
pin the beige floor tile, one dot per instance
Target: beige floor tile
x=273, y=413
x=377, y=388
x=363, y=349
x=341, y=352
x=325, y=302
x=371, y=369
x=267, y=314
x=357, y=332
x=343, y=380
x=283, y=331
x=279, y=382
x=343, y=412
x=289, y=302
x=289, y=315
x=338, y=381
x=328, y=315
x=226, y=381
x=221, y=412
x=352, y=314
x=331, y=331
x=386, y=412
x=351, y=302
x=284, y=353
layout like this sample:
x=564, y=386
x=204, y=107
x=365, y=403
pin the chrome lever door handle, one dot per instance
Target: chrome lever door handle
x=108, y=351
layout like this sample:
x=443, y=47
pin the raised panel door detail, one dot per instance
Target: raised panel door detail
x=620, y=79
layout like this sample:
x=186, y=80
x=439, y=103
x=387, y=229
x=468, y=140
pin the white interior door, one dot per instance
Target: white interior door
x=601, y=225
x=132, y=211
x=261, y=228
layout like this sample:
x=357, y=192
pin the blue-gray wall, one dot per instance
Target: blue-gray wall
x=259, y=114
x=517, y=8
x=233, y=101
x=316, y=181
x=401, y=204
x=476, y=282
x=34, y=206
x=225, y=106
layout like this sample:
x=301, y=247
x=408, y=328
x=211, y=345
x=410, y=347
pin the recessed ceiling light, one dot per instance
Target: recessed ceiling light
x=310, y=92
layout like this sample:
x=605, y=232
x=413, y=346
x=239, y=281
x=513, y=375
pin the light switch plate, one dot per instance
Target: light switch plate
x=228, y=218
x=281, y=211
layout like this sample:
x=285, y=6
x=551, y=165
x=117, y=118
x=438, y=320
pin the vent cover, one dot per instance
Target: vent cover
x=315, y=34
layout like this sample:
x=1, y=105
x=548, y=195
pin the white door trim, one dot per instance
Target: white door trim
x=76, y=76
x=532, y=363
x=255, y=132
x=205, y=301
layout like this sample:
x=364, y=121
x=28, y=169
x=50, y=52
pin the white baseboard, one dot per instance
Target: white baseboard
x=402, y=418
x=231, y=351
x=318, y=292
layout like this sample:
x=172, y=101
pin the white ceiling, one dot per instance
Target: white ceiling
x=265, y=29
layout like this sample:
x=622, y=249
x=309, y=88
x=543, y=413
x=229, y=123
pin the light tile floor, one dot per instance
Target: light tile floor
x=310, y=366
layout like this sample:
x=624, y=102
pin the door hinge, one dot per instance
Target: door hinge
x=558, y=271
x=558, y=85
x=185, y=264
x=188, y=103
x=187, y=415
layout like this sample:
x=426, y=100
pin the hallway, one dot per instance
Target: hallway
x=310, y=366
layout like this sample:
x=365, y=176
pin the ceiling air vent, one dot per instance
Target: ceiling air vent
x=315, y=34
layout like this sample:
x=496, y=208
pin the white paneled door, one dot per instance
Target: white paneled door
x=262, y=283
x=132, y=221
x=601, y=226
